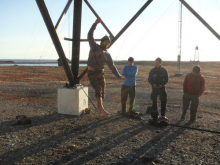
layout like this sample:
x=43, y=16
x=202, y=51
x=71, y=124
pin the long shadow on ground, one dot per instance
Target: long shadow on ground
x=19, y=154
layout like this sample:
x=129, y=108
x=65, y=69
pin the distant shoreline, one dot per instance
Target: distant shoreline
x=7, y=61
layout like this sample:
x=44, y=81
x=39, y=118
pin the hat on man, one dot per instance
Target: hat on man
x=106, y=38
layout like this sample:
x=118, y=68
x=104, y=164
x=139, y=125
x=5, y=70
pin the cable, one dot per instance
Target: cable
x=31, y=36
x=89, y=98
x=126, y=36
x=31, y=43
x=44, y=54
x=150, y=29
x=198, y=129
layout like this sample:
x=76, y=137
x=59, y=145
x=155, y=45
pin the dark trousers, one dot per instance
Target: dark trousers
x=163, y=98
x=97, y=81
x=125, y=92
x=194, y=99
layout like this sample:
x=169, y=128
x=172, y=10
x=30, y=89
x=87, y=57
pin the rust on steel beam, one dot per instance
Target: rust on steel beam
x=97, y=16
x=63, y=14
x=45, y=14
x=131, y=21
x=77, y=16
x=200, y=18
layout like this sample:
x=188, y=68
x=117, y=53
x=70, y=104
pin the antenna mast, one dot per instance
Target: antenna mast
x=179, y=39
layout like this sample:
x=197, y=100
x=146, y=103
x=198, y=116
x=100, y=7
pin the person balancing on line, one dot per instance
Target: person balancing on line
x=98, y=56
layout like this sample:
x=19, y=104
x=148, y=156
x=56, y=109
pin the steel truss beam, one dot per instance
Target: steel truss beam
x=97, y=16
x=63, y=14
x=45, y=14
x=131, y=21
x=77, y=15
x=200, y=18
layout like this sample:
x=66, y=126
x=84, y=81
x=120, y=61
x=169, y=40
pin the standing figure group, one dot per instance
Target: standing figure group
x=193, y=86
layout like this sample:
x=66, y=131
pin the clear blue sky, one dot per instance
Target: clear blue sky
x=23, y=34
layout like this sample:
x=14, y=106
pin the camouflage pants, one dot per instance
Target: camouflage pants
x=97, y=81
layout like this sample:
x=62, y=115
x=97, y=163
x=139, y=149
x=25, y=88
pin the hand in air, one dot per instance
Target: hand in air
x=98, y=20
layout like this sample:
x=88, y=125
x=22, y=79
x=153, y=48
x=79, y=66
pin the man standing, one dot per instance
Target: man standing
x=128, y=87
x=158, y=78
x=98, y=56
x=193, y=87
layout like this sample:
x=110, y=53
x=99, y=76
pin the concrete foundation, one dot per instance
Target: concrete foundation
x=72, y=101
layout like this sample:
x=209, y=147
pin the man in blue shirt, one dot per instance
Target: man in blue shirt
x=128, y=87
x=158, y=78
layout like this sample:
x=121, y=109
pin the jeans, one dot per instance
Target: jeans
x=125, y=92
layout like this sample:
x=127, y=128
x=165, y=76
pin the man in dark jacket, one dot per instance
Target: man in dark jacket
x=193, y=87
x=98, y=56
x=158, y=78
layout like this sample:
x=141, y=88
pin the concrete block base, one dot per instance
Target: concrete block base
x=72, y=101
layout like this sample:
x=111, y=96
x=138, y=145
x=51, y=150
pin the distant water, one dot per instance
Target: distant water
x=27, y=60
x=24, y=62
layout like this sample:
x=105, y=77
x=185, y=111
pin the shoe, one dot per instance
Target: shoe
x=130, y=113
x=193, y=121
x=134, y=114
x=164, y=117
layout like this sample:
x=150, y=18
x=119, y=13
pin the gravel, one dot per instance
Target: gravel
x=54, y=138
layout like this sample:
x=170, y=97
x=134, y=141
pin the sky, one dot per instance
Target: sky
x=23, y=33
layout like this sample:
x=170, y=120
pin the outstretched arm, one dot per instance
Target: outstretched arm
x=111, y=65
x=90, y=33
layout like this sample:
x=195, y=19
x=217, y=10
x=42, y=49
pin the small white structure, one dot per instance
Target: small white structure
x=72, y=101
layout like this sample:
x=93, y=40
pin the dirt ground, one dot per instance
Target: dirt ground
x=54, y=138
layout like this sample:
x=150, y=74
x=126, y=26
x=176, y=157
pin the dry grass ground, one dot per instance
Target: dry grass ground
x=54, y=138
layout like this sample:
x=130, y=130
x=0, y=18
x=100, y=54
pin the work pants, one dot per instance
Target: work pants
x=163, y=98
x=194, y=99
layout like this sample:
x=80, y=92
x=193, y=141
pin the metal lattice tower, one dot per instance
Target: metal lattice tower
x=196, y=55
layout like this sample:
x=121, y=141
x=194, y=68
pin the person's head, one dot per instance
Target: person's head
x=196, y=70
x=130, y=61
x=105, y=41
x=158, y=62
